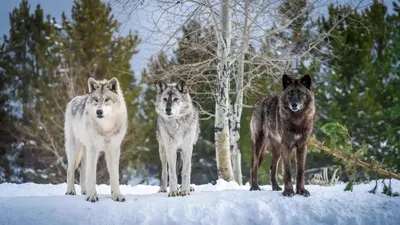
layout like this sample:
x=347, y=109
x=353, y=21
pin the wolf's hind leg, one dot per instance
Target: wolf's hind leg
x=274, y=167
x=256, y=158
x=82, y=172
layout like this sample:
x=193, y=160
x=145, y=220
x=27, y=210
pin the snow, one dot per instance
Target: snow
x=223, y=203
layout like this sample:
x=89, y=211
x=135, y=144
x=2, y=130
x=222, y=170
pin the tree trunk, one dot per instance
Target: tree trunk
x=234, y=140
x=222, y=95
x=237, y=106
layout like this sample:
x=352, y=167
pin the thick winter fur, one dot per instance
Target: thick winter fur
x=177, y=131
x=95, y=122
x=283, y=123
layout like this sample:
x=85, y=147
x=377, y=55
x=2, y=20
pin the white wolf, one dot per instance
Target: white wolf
x=177, y=132
x=95, y=122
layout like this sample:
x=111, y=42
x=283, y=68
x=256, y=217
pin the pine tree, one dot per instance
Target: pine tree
x=21, y=45
x=356, y=85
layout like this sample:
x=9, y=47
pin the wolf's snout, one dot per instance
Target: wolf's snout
x=99, y=113
x=168, y=111
x=294, y=105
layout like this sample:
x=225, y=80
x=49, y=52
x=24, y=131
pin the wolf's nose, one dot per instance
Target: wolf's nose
x=99, y=112
x=168, y=109
x=294, y=105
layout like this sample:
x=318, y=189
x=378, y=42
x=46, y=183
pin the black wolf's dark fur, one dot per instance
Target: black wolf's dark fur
x=283, y=123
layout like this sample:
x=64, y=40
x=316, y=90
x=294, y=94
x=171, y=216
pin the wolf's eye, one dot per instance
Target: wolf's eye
x=165, y=99
x=176, y=99
x=107, y=99
x=96, y=99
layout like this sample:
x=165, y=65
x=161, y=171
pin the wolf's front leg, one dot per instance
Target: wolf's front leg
x=112, y=159
x=164, y=173
x=287, y=175
x=301, y=154
x=173, y=180
x=186, y=169
x=91, y=157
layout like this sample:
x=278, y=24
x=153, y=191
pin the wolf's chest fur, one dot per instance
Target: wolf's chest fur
x=173, y=129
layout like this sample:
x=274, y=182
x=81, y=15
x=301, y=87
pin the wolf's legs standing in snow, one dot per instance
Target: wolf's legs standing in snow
x=173, y=180
x=112, y=159
x=82, y=177
x=287, y=174
x=164, y=165
x=91, y=158
x=71, y=151
x=186, y=155
x=301, y=155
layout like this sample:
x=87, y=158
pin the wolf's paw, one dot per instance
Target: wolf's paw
x=173, y=194
x=118, y=198
x=276, y=188
x=162, y=190
x=303, y=192
x=70, y=192
x=288, y=193
x=92, y=198
x=255, y=188
x=191, y=189
x=184, y=193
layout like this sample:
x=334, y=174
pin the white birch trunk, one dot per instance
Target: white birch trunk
x=222, y=94
x=237, y=106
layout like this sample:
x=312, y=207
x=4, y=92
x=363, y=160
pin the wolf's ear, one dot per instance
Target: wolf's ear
x=306, y=81
x=286, y=81
x=181, y=86
x=113, y=85
x=93, y=85
x=161, y=86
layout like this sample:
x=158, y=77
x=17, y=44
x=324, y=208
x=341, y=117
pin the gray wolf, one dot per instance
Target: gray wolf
x=283, y=123
x=177, y=130
x=95, y=122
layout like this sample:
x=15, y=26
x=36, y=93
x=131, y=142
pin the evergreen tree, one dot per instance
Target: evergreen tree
x=357, y=84
x=20, y=49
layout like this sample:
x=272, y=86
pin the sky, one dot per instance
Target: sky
x=133, y=17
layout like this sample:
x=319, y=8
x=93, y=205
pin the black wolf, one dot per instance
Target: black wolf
x=283, y=123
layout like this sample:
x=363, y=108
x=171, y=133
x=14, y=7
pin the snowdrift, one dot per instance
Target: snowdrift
x=223, y=203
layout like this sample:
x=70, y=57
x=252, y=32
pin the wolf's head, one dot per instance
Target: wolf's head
x=173, y=99
x=297, y=93
x=104, y=97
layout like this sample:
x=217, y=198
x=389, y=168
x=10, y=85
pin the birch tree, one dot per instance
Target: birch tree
x=222, y=143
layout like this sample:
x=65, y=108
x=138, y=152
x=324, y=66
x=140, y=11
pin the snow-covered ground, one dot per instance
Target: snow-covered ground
x=223, y=203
